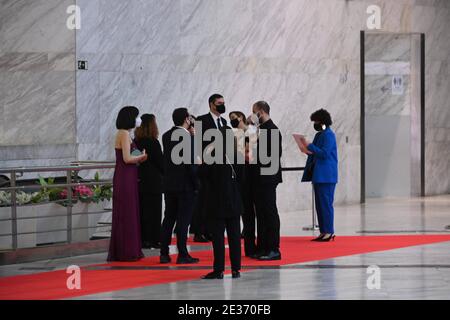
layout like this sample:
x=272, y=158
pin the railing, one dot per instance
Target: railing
x=74, y=167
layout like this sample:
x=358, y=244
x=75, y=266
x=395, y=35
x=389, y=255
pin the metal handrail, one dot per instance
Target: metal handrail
x=70, y=169
x=106, y=165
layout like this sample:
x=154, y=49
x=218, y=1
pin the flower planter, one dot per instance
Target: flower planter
x=27, y=225
x=52, y=216
x=87, y=220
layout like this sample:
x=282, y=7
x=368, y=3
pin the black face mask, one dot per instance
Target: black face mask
x=318, y=127
x=234, y=123
x=220, y=108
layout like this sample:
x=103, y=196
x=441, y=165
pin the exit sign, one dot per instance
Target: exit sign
x=82, y=65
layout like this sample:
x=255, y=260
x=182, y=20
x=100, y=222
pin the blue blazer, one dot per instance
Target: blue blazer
x=324, y=158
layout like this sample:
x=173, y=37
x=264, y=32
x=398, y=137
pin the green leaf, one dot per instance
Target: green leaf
x=42, y=181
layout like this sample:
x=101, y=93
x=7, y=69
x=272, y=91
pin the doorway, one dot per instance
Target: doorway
x=392, y=115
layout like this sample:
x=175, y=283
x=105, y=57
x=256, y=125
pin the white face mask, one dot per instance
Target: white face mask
x=254, y=119
x=138, y=122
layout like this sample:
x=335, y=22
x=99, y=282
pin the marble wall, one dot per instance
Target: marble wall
x=37, y=83
x=299, y=55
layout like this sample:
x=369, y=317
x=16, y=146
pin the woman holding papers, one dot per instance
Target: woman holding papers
x=322, y=170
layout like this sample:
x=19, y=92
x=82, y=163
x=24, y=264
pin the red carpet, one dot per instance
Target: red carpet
x=52, y=285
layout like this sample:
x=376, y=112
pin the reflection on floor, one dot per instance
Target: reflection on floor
x=415, y=272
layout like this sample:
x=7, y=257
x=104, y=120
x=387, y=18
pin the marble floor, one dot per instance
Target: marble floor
x=419, y=272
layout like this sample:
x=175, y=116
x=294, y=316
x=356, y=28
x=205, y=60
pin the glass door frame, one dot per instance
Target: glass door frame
x=363, y=108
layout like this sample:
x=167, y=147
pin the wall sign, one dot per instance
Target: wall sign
x=397, y=85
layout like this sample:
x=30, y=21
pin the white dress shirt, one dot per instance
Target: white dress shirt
x=215, y=119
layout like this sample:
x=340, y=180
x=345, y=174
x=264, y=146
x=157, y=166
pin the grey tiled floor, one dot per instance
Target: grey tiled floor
x=419, y=272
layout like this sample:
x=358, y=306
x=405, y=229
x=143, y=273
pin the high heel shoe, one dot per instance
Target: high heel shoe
x=331, y=237
x=319, y=237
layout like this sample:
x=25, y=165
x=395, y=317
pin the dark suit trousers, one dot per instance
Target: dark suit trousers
x=179, y=211
x=232, y=226
x=249, y=224
x=151, y=213
x=200, y=220
x=268, y=220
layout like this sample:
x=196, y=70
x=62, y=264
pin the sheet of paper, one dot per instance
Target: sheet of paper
x=297, y=137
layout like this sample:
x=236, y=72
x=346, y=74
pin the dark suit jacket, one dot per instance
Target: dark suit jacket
x=224, y=193
x=258, y=178
x=208, y=122
x=151, y=171
x=181, y=177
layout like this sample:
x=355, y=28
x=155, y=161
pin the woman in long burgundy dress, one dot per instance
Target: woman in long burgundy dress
x=125, y=244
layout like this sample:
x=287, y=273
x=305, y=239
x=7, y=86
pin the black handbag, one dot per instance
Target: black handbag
x=309, y=170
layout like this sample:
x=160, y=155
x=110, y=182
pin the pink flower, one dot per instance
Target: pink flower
x=63, y=194
x=83, y=191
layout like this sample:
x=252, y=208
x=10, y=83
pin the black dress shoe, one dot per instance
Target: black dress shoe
x=187, y=260
x=272, y=255
x=235, y=274
x=213, y=275
x=164, y=258
x=257, y=255
x=200, y=238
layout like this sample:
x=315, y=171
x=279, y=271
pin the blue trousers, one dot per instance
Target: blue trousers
x=324, y=197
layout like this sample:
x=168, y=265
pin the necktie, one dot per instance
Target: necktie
x=219, y=123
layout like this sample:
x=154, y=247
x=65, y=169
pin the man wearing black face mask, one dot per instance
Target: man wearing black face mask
x=180, y=185
x=265, y=186
x=212, y=120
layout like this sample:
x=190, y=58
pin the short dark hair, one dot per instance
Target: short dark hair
x=322, y=116
x=263, y=105
x=214, y=97
x=179, y=115
x=126, y=119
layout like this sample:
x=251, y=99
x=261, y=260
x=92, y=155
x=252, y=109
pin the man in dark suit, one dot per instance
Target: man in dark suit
x=265, y=183
x=211, y=120
x=225, y=207
x=180, y=184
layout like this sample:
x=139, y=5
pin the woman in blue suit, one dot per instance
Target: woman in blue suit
x=322, y=170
